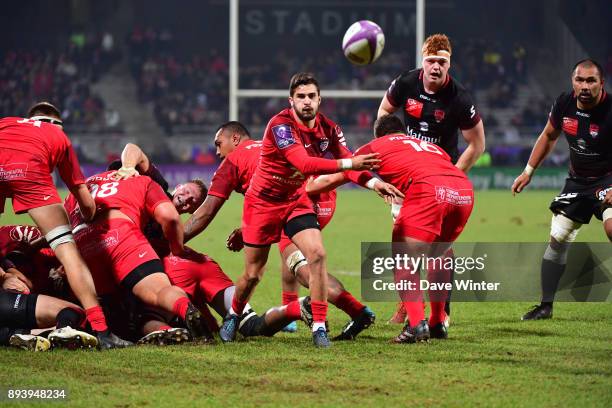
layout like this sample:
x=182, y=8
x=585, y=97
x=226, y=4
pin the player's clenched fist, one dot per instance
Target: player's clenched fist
x=234, y=241
x=365, y=161
x=520, y=183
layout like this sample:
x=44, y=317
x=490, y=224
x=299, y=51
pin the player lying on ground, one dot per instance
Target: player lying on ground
x=23, y=306
x=585, y=117
x=30, y=149
x=119, y=255
x=438, y=202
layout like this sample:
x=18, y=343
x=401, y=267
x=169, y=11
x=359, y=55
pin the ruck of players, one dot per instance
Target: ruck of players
x=110, y=265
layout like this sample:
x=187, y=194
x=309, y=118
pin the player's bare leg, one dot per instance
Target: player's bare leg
x=49, y=217
x=361, y=316
x=156, y=290
x=310, y=242
x=255, y=259
x=607, y=222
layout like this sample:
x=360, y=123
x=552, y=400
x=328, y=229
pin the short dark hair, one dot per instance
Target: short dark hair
x=388, y=125
x=234, y=126
x=44, y=108
x=202, y=186
x=588, y=63
x=303, y=78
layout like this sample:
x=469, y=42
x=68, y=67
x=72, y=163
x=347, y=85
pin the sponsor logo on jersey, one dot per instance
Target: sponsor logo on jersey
x=13, y=171
x=414, y=108
x=570, y=126
x=594, y=130
x=601, y=193
x=439, y=115
x=424, y=126
x=283, y=136
x=24, y=233
x=565, y=198
x=584, y=115
x=324, y=144
x=418, y=135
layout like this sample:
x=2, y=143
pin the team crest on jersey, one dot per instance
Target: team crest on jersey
x=570, y=126
x=283, y=135
x=324, y=144
x=414, y=108
x=594, y=130
x=439, y=115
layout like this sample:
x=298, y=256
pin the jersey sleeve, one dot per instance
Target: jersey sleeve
x=556, y=112
x=467, y=112
x=396, y=93
x=154, y=196
x=225, y=179
x=69, y=168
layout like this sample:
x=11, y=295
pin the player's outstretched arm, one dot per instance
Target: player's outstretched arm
x=475, y=138
x=87, y=205
x=325, y=183
x=543, y=146
x=203, y=216
x=166, y=215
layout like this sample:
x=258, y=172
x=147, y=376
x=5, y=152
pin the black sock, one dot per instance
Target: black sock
x=70, y=316
x=551, y=273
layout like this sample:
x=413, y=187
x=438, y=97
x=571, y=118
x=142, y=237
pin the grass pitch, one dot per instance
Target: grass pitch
x=490, y=359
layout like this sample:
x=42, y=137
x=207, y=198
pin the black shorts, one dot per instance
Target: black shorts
x=580, y=200
x=18, y=310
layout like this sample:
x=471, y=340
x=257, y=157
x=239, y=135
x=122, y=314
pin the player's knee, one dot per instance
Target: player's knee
x=59, y=235
x=254, y=275
x=564, y=230
x=316, y=255
x=295, y=261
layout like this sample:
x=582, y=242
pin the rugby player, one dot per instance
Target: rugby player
x=435, y=107
x=584, y=116
x=241, y=158
x=293, y=145
x=30, y=149
x=117, y=251
x=438, y=203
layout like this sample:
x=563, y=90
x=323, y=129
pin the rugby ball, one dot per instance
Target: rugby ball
x=363, y=42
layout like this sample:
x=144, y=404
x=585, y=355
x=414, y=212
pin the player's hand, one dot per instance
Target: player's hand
x=387, y=191
x=17, y=273
x=234, y=241
x=520, y=183
x=13, y=284
x=125, y=173
x=365, y=162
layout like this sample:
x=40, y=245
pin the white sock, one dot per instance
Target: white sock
x=317, y=326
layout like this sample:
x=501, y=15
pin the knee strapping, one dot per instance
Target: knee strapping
x=59, y=235
x=562, y=229
x=295, y=261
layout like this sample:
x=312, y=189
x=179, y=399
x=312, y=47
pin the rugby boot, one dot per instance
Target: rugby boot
x=71, y=339
x=29, y=342
x=415, y=334
x=364, y=320
x=320, y=339
x=539, y=312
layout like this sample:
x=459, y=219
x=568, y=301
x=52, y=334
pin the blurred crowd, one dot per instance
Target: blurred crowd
x=63, y=76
